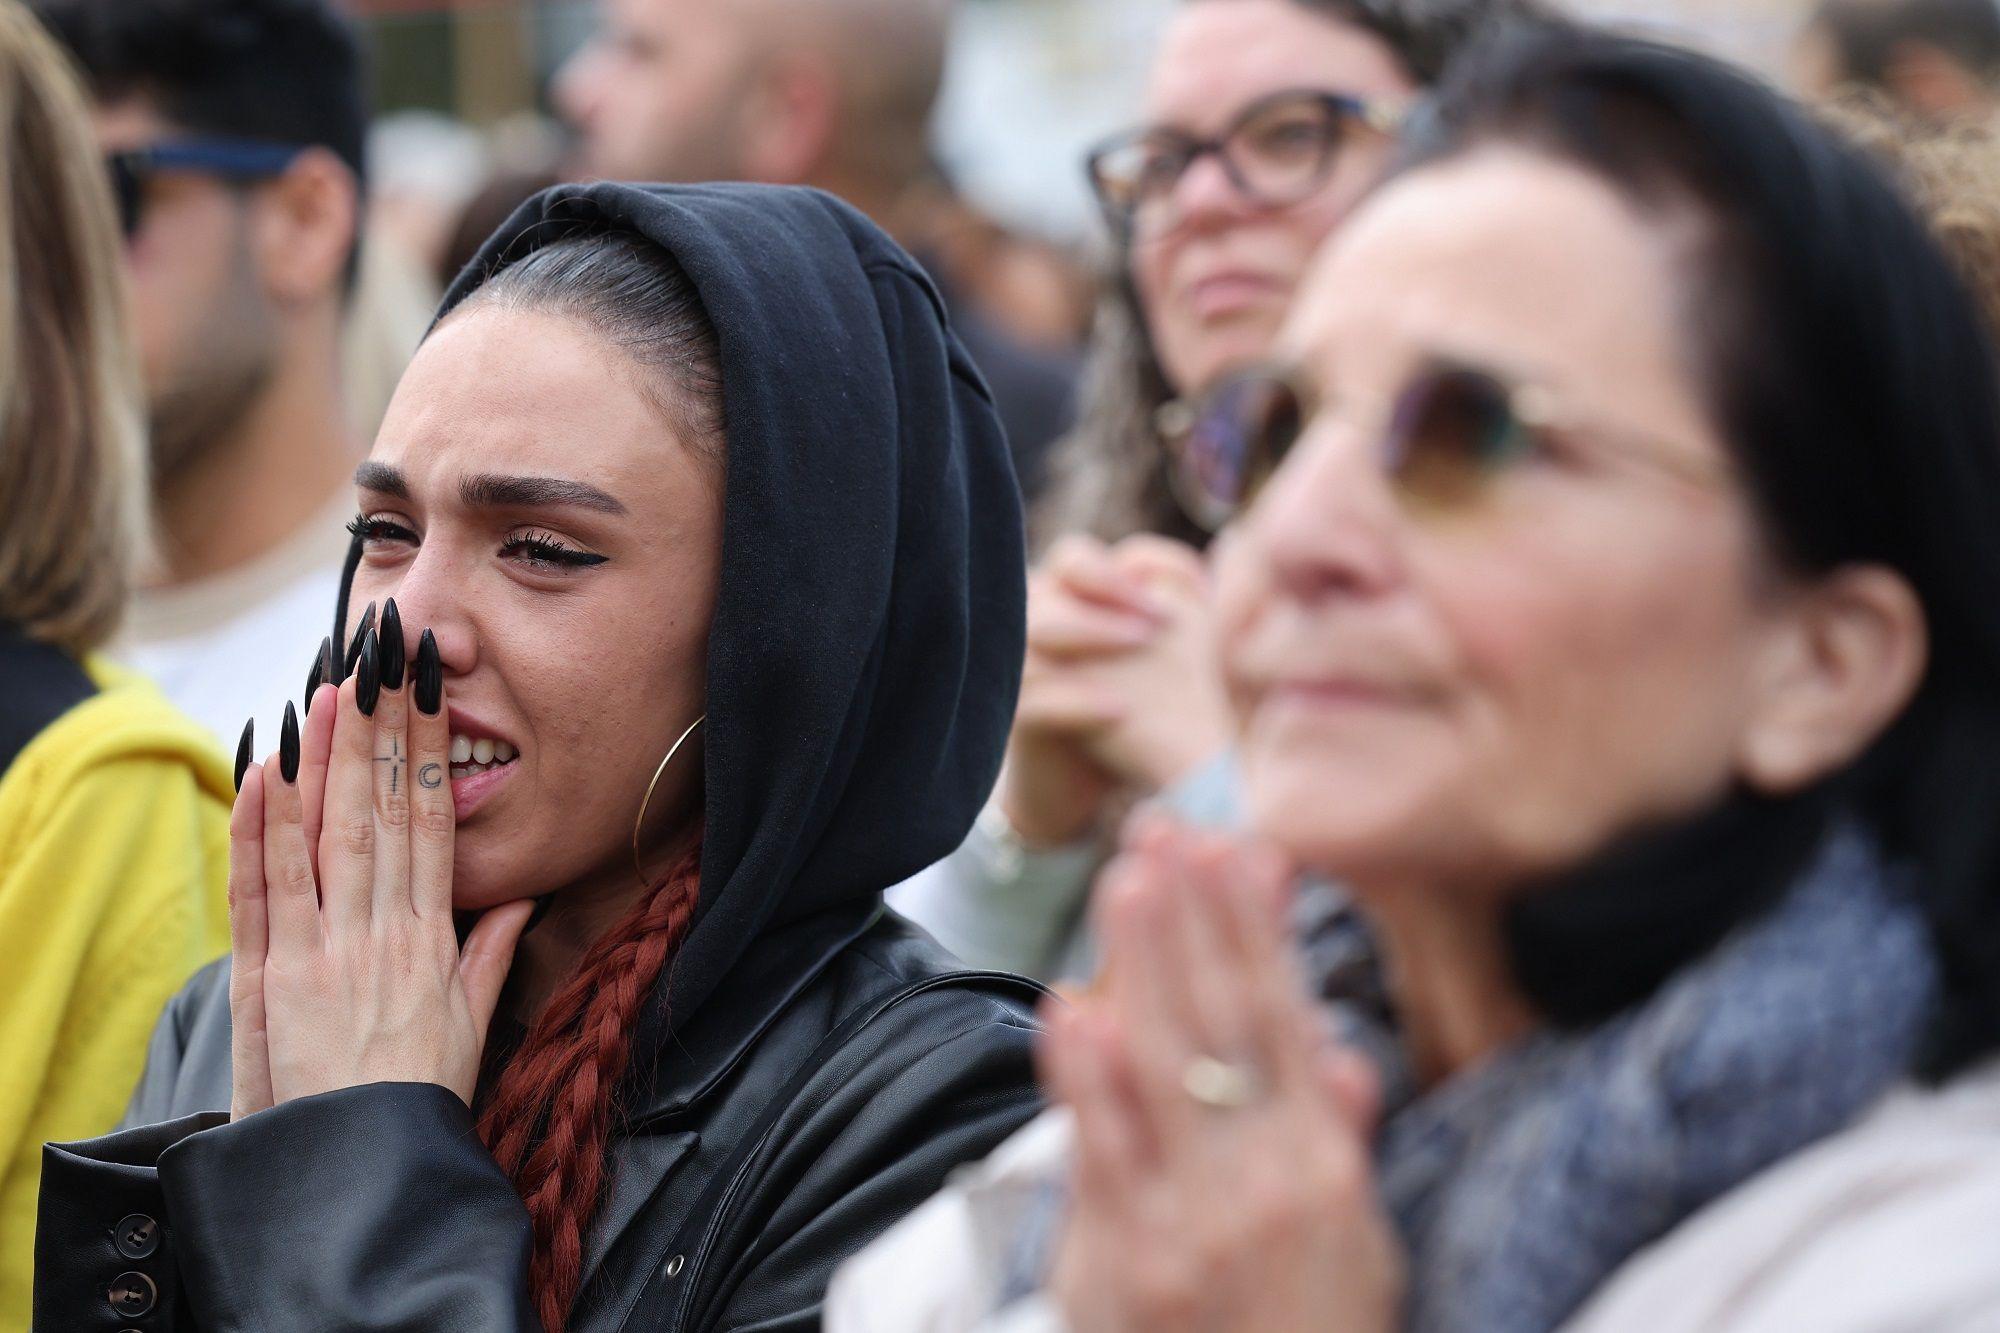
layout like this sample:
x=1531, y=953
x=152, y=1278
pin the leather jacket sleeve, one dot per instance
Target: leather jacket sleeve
x=372, y=1208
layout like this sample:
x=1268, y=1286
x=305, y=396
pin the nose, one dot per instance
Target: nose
x=430, y=595
x=1328, y=524
x=573, y=90
x=1205, y=199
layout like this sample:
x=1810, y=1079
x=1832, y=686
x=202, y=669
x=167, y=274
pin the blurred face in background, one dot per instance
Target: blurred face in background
x=662, y=91
x=207, y=335
x=1477, y=675
x=1216, y=271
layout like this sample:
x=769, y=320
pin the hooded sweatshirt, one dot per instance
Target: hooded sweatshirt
x=810, y=1066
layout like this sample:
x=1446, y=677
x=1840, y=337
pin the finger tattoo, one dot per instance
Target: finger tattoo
x=394, y=759
x=431, y=777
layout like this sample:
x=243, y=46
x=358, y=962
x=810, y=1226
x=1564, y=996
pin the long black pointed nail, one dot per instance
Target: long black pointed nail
x=542, y=906
x=368, y=675
x=430, y=676
x=394, y=655
x=243, y=748
x=322, y=664
x=288, y=744
x=360, y=633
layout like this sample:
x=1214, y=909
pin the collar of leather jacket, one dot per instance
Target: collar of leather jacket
x=870, y=623
x=786, y=962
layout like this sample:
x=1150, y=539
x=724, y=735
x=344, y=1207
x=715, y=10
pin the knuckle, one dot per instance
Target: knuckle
x=295, y=877
x=435, y=820
x=355, y=835
x=392, y=809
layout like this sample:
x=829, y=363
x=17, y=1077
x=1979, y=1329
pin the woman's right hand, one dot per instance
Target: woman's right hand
x=1121, y=694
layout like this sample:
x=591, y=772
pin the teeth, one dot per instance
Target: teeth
x=469, y=756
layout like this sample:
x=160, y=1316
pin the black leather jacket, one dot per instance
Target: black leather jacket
x=842, y=1070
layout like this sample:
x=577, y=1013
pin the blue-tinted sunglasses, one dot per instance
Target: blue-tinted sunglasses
x=240, y=161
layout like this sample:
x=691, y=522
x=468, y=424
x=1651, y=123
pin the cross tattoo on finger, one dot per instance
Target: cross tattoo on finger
x=394, y=759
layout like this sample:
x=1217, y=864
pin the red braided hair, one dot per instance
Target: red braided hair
x=551, y=1113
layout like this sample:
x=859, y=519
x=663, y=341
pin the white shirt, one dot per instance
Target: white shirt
x=240, y=644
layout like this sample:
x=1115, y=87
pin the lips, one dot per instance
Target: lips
x=481, y=760
x=1223, y=294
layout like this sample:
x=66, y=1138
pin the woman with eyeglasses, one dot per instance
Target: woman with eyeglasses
x=1265, y=121
x=113, y=805
x=1612, y=603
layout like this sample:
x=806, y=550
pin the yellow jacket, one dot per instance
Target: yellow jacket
x=114, y=860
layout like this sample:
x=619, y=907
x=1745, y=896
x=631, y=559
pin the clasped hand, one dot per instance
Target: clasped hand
x=1248, y=1206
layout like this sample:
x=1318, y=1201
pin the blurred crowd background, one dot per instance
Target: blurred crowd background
x=270, y=349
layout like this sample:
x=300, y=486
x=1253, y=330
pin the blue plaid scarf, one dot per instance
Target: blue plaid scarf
x=1522, y=1184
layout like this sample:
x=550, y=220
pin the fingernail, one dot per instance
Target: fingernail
x=368, y=675
x=360, y=633
x=243, y=748
x=322, y=662
x=393, y=654
x=430, y=676
x=288, y=744
x=542, y=906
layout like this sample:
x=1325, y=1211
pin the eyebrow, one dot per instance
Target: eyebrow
x=494, y=491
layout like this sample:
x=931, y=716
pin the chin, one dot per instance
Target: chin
x=480, y=882
x=1342, y=824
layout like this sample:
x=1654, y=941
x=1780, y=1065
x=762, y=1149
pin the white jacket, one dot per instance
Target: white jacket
x=1891, y=1225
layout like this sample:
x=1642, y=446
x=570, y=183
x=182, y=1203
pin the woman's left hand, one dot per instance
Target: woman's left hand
x=351, y=931
x=1223, y=1178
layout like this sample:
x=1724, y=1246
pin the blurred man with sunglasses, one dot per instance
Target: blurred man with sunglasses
x=232, y=132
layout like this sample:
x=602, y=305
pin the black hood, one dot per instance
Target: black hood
x=870, y=624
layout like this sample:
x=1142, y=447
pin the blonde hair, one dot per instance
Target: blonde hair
x=73, y=490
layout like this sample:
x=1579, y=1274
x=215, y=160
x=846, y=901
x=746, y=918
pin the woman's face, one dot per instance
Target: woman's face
x=1216, y=278
x=1492, y=689
x=528, y=504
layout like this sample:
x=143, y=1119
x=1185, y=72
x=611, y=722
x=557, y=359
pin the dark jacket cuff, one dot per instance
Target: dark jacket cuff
x=104, y=1255
x=373, y=1207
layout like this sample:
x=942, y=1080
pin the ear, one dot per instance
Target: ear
x=790, y=121
x=306, y=222
x=1932, y=82
x=1846, y=655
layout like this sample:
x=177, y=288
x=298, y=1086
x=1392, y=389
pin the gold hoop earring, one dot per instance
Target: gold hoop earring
x=639, y=824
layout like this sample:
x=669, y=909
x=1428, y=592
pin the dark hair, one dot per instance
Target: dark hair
x=1866, y=33
x=1850, y=370
x=282, y=71
x=1108, y=476
x=552, y=1111
x=287, y=71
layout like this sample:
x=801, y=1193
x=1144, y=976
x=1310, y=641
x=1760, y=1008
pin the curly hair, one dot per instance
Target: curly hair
x=1951, y=175
x=1107, y=477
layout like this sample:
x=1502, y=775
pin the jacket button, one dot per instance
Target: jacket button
x=133, y=1294
x=137, y=1236
x=676, y=1264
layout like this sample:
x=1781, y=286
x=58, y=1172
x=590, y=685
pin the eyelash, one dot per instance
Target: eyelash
x=536, y=546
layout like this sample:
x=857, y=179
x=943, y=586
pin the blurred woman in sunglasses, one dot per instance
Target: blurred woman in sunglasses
x=1265, y=121
x=114, y=808
x=1613, y=603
